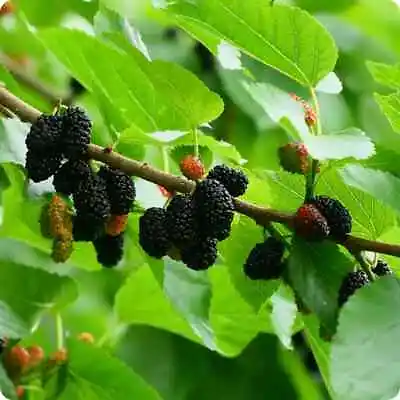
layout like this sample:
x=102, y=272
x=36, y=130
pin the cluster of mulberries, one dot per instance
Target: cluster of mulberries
x=193, y=224
x=265, y=260
x=322, y=217
x=54, y=138
x=102, y=202
x=57, y=146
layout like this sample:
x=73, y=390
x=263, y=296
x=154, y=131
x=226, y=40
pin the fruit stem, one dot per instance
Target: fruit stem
x=318, y=127
x=59, y=331
x=312, y=174
x=195, y=142
x=364, y=265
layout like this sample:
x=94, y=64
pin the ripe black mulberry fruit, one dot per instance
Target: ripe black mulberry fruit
x=76, y=133
x=41, y=166
x=91, y=200
x=336, y=214
x=120, y=189
x=214, y=209
x=382, y=268
x=265, y=260
x=44, y=134
x=181, y=221
x=352, y=282
x=310, y=223
x=109, y=250
x=153, y=234
x=200, y=255
x=235, y=181
x=70, y=175
x=85, y=229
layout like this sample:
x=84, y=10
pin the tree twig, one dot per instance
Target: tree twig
x=261, y=215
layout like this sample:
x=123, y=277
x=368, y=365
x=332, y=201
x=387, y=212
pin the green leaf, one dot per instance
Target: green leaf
x=285, y=38
x=371, y=218
x=330, y=84
x=7, y=388
x=244, y=235
x=95, y=375
x=369, y=324
x=316, y=272
x=283, y=316
x=190, y=293
x=326, y=6
x=387, y=75
x=11, y=324
x=320, y=349
x=379, y=184
x=27, y=292
x=219, y=148
x=152, y=95
x=390, y=106
x=280, y=107
x=55, y=10
x=142, y=301
x=234, y=321
x=335, y=146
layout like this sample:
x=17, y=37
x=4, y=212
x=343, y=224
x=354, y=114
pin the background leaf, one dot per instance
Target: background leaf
x=387, y=75
x=381, y=185
x=28, y=292
x=151, y=95
x=316, y=272
x=390, y=106
x=286, y=38
x=349, y=143
x=93, y=374
x=368, y=324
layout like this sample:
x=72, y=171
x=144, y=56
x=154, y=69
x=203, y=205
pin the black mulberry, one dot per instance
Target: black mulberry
x=352, y=282
x=201, y=255
x=44, y=135
x=382, y=268
x=153, y=234
x=70, y=175
x=265, y=260
x=180, y=221
x=76, y=133
x=336, y=214
x=120, y=189
x=41, y=166
x=214, y=209
x=85, y=229
x=235, y=181
x=91, y=200
x=109, y=250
